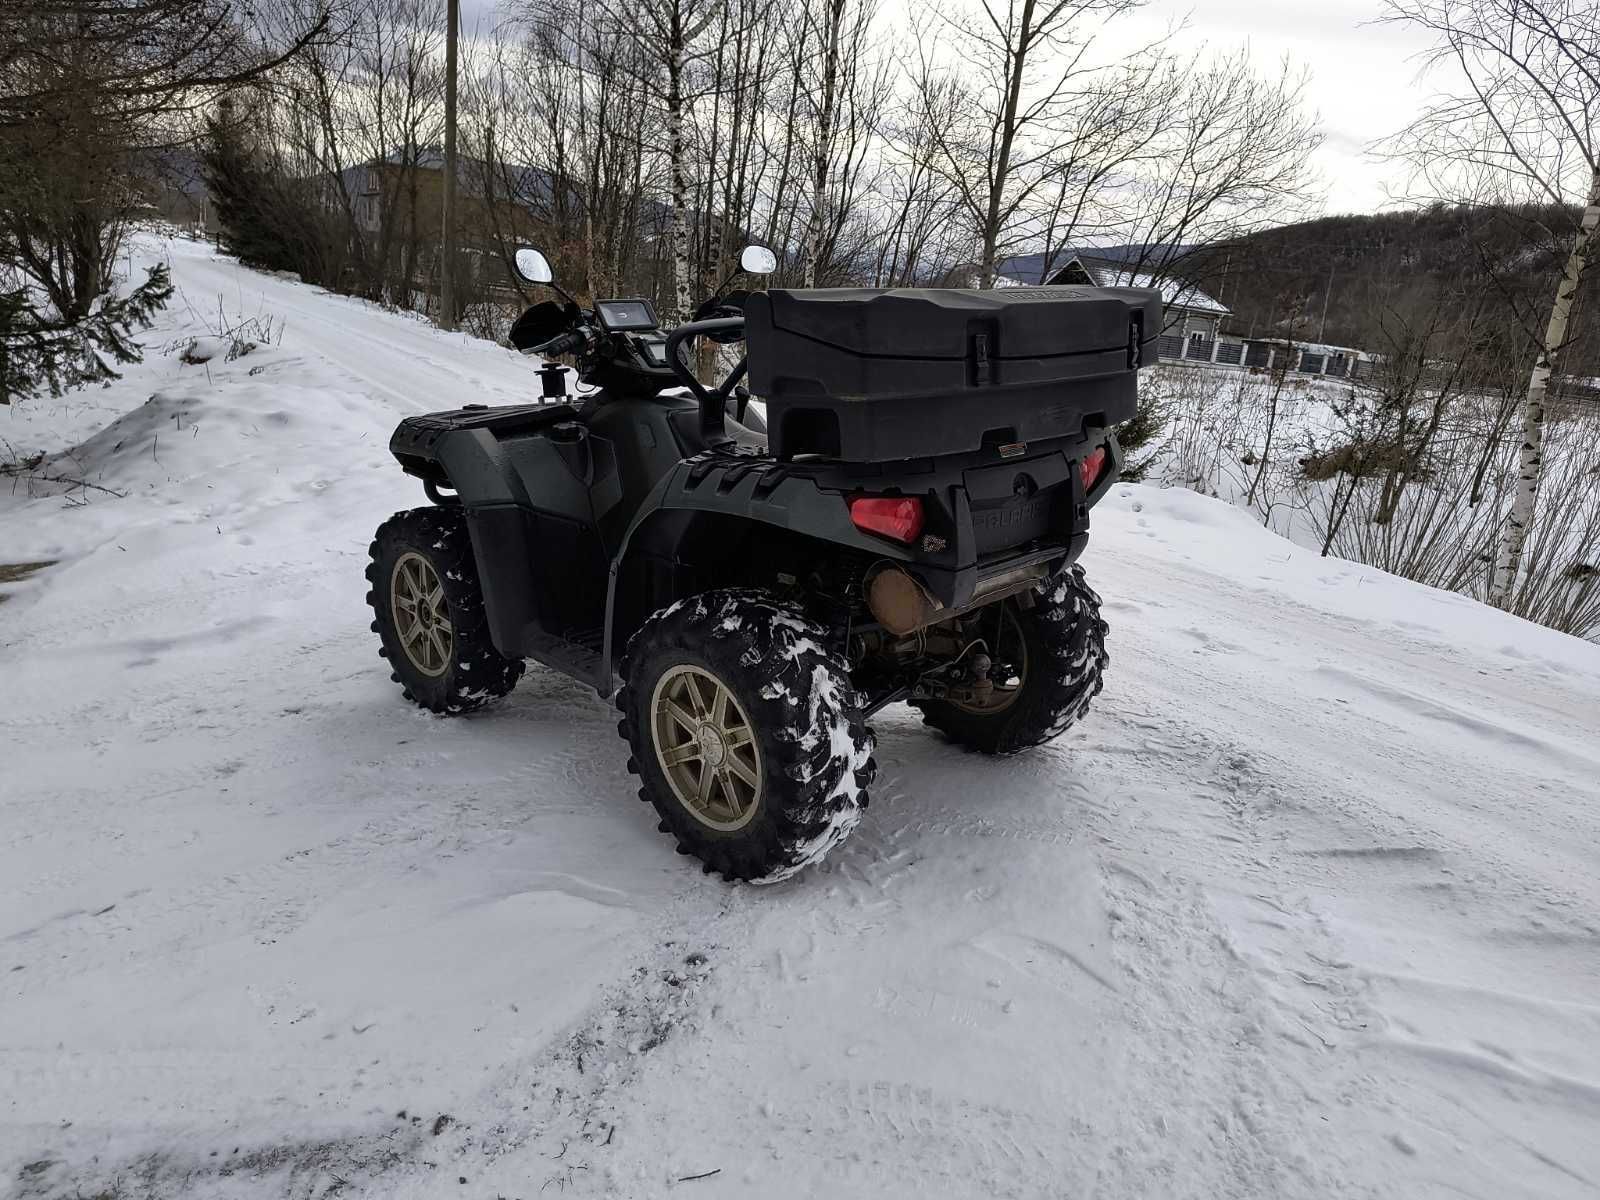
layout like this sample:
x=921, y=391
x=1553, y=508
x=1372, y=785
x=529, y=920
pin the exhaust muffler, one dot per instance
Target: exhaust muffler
x=900, y=603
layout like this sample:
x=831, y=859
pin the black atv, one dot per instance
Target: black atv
x=904, y=526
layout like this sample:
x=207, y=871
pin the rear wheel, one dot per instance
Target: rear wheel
x=746, y=733
x=428, y=610
x=1049, y=659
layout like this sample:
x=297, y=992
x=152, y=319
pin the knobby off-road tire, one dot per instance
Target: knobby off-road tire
x=1065, y=643
x=428, y=551
x=788, y=715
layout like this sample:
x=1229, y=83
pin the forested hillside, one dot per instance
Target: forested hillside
x=1340, y=279
x=1359, y=270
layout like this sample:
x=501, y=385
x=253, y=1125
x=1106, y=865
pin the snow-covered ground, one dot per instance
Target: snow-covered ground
x=1308, y=906
x=1443, y=530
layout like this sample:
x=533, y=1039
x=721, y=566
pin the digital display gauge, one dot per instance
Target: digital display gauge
x=622, y=316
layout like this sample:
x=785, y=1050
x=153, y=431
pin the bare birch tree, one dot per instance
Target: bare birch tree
x=673, y=31
x=919, y=239
x=1529, y=78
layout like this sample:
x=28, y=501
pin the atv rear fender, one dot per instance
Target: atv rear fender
x=692, y=533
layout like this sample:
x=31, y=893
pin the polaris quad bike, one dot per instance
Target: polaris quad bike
x=905, y=526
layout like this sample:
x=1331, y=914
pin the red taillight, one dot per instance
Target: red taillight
x=897, y=517
x=1091, y=466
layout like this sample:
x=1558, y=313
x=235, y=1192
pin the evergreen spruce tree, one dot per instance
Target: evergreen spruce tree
x=42, y=351
x=267, y=218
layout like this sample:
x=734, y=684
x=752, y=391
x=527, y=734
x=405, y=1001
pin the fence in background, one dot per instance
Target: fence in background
x=1332, y=362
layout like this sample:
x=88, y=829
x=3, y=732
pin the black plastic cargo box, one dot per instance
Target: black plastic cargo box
x=874, y=374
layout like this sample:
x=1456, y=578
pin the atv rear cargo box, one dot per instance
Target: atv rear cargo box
x=874, y=374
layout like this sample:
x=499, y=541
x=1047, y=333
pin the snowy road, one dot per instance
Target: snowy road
x=1308, y=906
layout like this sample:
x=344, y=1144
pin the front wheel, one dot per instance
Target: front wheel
x=1052, y=655
x=746, y=733
x=428, y=610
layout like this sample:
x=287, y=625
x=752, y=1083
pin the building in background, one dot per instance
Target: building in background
x=1194, y=328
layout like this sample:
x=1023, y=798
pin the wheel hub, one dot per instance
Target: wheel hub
x=706, y=747
x=712, y=748
x=421, y=617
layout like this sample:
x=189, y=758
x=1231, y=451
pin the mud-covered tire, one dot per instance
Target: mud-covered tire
x=807, y=719
x=475, y=673
x=1065, y=639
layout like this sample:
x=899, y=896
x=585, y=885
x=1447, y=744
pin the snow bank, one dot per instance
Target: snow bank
x=1254, y=563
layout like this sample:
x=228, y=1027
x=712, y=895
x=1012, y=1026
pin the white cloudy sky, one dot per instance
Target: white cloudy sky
x=1362, y=85
x=1363, y=75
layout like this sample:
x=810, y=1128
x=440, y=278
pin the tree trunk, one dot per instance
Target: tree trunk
x=1491, y=444
x=408, y=256
x=824, y=149
x=1531, y=457
x=1266, y=450
x=447, y=250
x=676, y=53
x=1337, y=511
x=1000, y=167
x=782, y=189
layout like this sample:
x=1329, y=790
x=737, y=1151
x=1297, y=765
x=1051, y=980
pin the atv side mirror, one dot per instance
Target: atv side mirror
x=758, y=260
x=533, y=266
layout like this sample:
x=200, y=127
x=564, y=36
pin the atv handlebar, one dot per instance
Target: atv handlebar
x=712, y=403
x=563, y=343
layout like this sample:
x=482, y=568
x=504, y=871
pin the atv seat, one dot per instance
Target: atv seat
x=747, y=438
x=686, y=422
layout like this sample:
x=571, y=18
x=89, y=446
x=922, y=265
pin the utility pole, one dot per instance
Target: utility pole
x=447, y=261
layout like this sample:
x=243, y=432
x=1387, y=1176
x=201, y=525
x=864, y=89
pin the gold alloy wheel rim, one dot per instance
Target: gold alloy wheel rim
x=706, y=747
x=1008, y=637
x=416, y=598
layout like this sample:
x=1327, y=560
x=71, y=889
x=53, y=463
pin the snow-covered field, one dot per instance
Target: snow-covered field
x=1308, y=906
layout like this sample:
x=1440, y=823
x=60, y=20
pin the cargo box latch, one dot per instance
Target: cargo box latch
x=1135, y=340
x=981, y=372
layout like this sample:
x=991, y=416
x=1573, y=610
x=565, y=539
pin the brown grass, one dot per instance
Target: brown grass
x=17, y=572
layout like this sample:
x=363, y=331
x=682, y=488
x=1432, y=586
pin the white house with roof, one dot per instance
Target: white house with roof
x=1192, y=329
x=1191, y=315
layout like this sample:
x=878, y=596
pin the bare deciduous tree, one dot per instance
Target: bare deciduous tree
x=673, y=32
x=1028, y=85
x=1528, y=73
x=829, y=17
x=1227, y=152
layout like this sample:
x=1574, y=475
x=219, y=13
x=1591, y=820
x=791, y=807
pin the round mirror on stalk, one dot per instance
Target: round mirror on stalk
x=758, y=260
x=533, y=266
